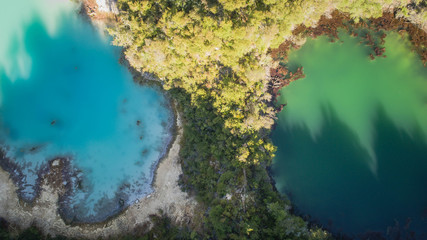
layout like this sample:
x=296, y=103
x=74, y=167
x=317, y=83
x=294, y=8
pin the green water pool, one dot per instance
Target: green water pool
x=352, y=149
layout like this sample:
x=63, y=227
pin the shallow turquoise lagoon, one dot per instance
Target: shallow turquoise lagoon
x=352, y=149
x=65, y=95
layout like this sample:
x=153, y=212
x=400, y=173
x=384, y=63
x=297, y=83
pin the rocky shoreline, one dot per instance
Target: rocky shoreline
x=57, y=178
x=329, y=25
x=43, y=213
x=60, y=173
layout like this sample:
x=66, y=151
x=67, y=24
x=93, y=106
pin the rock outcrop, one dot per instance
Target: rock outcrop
x=108, y=6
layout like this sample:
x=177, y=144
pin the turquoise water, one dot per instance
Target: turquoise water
x=352, y=149
x=64, y=95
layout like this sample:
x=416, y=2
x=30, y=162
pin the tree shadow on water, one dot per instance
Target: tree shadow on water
x=330, y=182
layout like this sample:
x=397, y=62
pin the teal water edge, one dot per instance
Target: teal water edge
x=65, y=95
x=352, y=149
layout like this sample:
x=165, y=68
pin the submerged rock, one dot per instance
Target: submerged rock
x=56, y=162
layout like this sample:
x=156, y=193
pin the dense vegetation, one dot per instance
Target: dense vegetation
x=214, y=57
x=9, y=232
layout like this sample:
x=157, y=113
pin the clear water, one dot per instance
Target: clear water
x=64, y=94
x=352, y=149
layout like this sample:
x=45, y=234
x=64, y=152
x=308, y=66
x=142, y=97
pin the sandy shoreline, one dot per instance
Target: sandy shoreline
x=43, y=213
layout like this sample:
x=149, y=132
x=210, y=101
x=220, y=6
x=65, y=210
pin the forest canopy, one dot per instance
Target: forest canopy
x=219, y=50
x=214, y=57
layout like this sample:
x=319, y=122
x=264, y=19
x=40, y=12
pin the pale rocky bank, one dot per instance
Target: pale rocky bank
x=43, y=213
